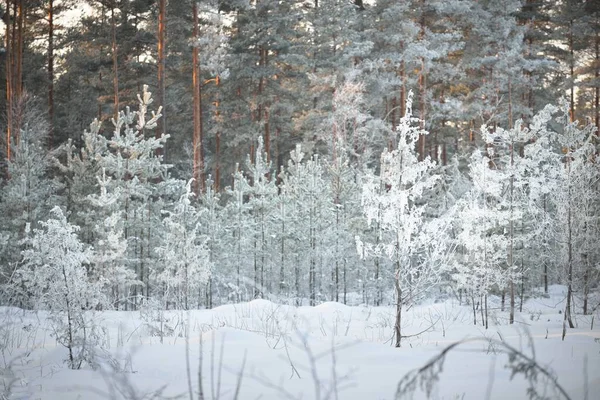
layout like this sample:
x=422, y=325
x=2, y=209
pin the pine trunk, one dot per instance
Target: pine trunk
x=398, y=290
x=9, y=82
x=572, y=73
x=569, y=257
x=51, y=73
x=198, y=167
x=115, y=62
x=217, y=138
x=162, y=124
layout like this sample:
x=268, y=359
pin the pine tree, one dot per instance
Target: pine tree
x=29, y=192
x=482, y=243
x=398, y=211
x=184, y=255
x=54, y=274
x=309, y=213
x=576, y=202
x=261, y=191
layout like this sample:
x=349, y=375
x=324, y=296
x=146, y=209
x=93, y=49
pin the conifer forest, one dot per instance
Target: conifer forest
x=219, y=194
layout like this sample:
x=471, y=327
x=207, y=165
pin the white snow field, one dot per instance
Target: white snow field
x=330, y=351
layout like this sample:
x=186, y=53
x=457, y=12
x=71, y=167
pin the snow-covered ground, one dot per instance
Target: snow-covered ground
x=269, y=351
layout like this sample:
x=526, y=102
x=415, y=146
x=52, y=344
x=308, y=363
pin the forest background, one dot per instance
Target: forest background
x=286, y=135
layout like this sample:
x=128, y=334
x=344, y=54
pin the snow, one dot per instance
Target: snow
x=298, y=352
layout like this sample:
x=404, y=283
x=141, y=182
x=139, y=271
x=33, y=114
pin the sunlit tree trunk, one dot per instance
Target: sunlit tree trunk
x=51, y=72
x=198, y=167
x=115, y=61
x=9, y=81
x=162, y=13
x=567, y=318
x=572, y=73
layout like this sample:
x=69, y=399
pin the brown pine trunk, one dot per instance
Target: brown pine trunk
x=115, y=62
x=444, y=154
x=510, y=113
x=198, y=166
x=422, y=88
x=17, y=70
x=569, y=257
x=393, y=114
x=267, y=135
x=572, y=73
x=162, y=124
x=486, y=311
x=267, y=126
x=402, y=90
x=19, y=43
x=217, y=137
x=51, y=72
x=474, y=307
x=9, y=81
x=398, y=321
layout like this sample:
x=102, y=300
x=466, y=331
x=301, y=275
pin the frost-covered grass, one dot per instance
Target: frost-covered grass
x=273, y=351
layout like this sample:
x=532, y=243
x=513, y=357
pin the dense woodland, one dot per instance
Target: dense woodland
x=200, y=153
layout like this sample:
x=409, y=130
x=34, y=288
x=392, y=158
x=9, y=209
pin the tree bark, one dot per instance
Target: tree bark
x=572, y=73
x=398, y=290
x=402, y=89
x=9, y=81
x=217, y=136
x=19, y=42
x=198, y=165
x=162, y=124
x=115, y=61
x=569, y=256
x=422, y=93
x=51, y=72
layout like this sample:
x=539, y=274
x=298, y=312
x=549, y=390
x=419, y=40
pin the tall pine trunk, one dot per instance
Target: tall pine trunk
x=115, y=62
x=51, y=72
x=567, y=318
x=198, y=167
x=162, y=123
x=398, y=292
x=9, y=81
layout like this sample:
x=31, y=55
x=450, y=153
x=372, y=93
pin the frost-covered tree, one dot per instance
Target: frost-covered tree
x=28, y=192
x=183, y=255
x=481, y=241
x=54, y=275
x=140, y=178
x=343, y=210
x=79, y=169
x=108, y=263
x=309, y=205
x=505, y=149
x=352, y=136
x=261, y=189
x=576, y=200
x=212, y=226
x=114, y=188
x=239, y=230
x=410, y=241
x=529, y=166
x=540, y=163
